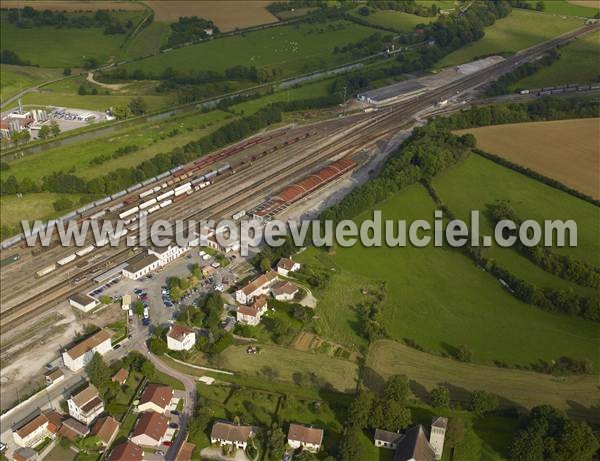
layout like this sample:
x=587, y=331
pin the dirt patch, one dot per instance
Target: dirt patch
x=588, y=3
x=565, y=150
x=73, y=6
x=227, y=15
x=303, y=341
x=110, y=86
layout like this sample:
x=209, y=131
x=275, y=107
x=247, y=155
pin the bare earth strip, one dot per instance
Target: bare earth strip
x=577, y=395
x=72, y=5
x=565, y=150
x=588, y=3
x=227, y=15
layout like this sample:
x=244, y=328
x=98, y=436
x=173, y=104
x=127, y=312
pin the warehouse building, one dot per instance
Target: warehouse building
x=393, y=93
x=83, y=302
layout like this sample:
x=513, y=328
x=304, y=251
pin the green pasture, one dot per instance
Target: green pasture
x=396, y=20
x=14, y=79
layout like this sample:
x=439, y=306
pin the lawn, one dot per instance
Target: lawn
x=293, y=49
x=520, y=29
x=163, y=378
x=564, y=150
x=425, y=301
x=66, y=47
x=290, y=365
x=396, y=20
x=578, y=63
x=575, y=394
x=17, y=78
x=99, y=102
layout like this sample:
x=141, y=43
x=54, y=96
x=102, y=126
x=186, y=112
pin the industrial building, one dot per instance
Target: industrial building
x=393, y=93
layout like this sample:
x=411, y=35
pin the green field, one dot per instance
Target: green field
x=479, y=181
x=31, y=206
x=293, y=49
x=57, y=48
x=16, y=78
x=566, y=8
x=579, y=63
x=520, y=29
x=148, y=40
x=443, y=4
x=396, y=20
x=426, y=302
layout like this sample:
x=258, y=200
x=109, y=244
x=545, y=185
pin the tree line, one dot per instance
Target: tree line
x=28, y=17
x=562, y=266
x=190, y=29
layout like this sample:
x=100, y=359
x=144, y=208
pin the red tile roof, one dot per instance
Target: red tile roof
x=179, y=332
x=105, y=428
x=305, y=434
x=157, y=394
x=127, y=451
x=152, y=424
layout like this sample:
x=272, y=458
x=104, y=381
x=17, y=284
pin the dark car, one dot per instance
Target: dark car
x=173, y=425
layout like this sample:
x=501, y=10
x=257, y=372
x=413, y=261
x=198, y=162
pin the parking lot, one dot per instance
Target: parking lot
x=71, y=119
x=150, y=289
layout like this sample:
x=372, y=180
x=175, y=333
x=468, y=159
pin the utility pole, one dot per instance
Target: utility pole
x=344, y=103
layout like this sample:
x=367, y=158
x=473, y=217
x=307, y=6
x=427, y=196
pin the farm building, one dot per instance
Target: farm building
x=393, y=93
x=83, y=302
x=79, y=355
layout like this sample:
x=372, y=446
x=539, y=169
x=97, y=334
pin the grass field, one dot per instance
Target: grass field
x=64, y=47
x=581, y=8
x=479, y=181
x=16, y=78
x=578, y=63
x=426, y=302
x=565, y=150
x=520, y=29
x=293, y=49
x=397, y=20
x=69, y=5
x=148, y=40
x=31, y=206
x=526, y=389
x=331, y=373
x=226, y=15
x=99, y=102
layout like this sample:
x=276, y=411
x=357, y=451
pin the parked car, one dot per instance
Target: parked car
x=173, y=425
x=167, y=443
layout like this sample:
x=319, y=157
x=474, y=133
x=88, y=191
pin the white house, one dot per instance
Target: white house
x=83, y=302
x=387, y=439
x=437, y=435
x=284, y=290
x=79, y=355
x=252, y=314
x=180, y=338
x=86, y=406
x=35, y=430
x=150, y=430
x=140, y=266
x=156, y=398
x=309, y=438
x=286, y=265
x=226, y=433
x=259, y=286
x=167, y=254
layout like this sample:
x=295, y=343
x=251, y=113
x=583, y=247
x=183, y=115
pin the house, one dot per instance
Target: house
x=226, y=433
x=120, y=376
x=185, y=452
x=83, y=302
x=309, y=438
x=54, y=376
x=72, y=429
x=127, y=451
x=79, y=355
x=284, y=290
x=106, y=429
x=86, y=405
x=251, y=315
x=140, y=266
x=259, y=286
x=387, y=439
x=156, y=398
x=286, y=265
x=437, y=435
x=150, y=429
x=414, y=446
x=25, y=454
x=180, y=338
x=36, y=429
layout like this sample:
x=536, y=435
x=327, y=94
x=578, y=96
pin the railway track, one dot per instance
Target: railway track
x=383, y=123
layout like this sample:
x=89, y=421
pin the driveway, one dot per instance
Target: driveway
x=216, y=453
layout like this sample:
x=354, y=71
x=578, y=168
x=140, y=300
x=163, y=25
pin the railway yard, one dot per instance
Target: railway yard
x=241, y=177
